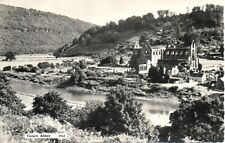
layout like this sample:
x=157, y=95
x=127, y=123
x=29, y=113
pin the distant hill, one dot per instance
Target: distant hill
x=26, y=31
x=204, y=26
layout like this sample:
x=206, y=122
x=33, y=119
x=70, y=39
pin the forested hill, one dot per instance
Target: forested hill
x=26, y=31
x=203, y=24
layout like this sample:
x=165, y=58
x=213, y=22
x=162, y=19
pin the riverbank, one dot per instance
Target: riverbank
x=156, y=109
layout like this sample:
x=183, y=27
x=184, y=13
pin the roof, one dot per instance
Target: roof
x=158, y=46
x=222, y=78
x=180, y=46
x=155, y=46
x=172, y=60
x=137, y=46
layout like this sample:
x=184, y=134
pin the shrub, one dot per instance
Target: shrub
x=121, y=113
x=155, y=75
x=10, y=56
x=7, y=68
x=121, y=81
x=90, y=73
x=121, y=60
x=155, y=88
x=173, y=89
x=87, y=115
x=27, y=68
x=44, y=65
x=108, y=61
x=8, y=97
x=82, y=64
x=76, y=78
x=50, y=104
x=200, y=120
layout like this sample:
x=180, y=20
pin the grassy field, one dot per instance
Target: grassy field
x=34, y=59
x=211, y=64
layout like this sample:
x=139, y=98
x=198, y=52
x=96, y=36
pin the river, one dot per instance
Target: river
x=157, y=111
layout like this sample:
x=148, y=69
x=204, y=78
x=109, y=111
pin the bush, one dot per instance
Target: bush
x=7, y=68
x=82, y=64
x=121, y=60
x=44, y=65
x=50, y=104
x=120, y=114
x=10, y=56
x=155, y=88
x=90, y=73
x=121, y=81
x=8, y=97
x=76, y=78
x=200, y=120
x=28, y=68
x=173, y=89
x=155, y=75
x=190, y=36
x=108, y=61
x=87, y=115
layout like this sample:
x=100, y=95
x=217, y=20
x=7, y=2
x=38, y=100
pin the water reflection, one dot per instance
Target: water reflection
x=157, y=111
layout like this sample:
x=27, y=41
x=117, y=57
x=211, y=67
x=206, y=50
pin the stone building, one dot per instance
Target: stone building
x=166, y=56
x=180, y=55
x=147, y=55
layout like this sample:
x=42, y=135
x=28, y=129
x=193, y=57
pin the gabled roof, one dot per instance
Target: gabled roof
x=137, y=46
x=155, y=46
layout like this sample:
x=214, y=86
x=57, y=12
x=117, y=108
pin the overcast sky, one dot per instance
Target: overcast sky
x=102, y=11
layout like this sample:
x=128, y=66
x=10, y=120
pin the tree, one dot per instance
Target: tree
x=210, y=7
x=78, y=76
x=143, y=38
x=154, y=75
x=10, y=56
x=50, y=104
x=178, y=32
x=134, y=63
x=133, y=22
x=148, y=19
x=111, y=26
x=124, y=114
x=121, y=60
x=200, y=120
x=8, y=97
x=221, y=50
x=190, y=36
x=167, y=77
x=44, y=65
x=196, y=9
x=82, y=64
x=121, y=113
x=163, y=13
x=199, y=67
x=108, y=61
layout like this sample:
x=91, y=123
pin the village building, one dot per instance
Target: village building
x=167, y=56
x=147, y=55
x=180, y=55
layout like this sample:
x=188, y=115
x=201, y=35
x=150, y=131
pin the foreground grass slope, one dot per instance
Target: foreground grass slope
x=26, y=31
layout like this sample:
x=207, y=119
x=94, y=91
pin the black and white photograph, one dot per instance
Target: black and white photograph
x=111, y=71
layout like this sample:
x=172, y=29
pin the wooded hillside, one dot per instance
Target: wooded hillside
x=26, y=31
x=202, y=24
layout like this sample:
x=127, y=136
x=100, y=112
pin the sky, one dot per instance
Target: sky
x=102, y=11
